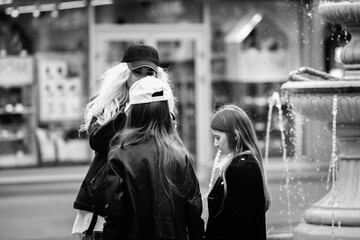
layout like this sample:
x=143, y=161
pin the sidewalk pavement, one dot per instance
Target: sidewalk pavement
x=53, y=174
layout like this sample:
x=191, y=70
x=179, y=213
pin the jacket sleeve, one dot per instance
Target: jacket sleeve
x=195, y=223
x=114, y=223
x=101, y=135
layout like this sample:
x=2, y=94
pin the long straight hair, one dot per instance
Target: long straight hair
x=242, y=139
x=153, y=121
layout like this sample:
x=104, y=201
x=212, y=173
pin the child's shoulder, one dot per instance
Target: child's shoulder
x=244, y=161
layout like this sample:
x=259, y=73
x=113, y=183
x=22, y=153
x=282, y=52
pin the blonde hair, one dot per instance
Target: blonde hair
x=112, y=95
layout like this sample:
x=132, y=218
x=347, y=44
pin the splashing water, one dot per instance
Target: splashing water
x=276, y=101
x=332, y=168
x=273, y=100
x=211, y=182
x=286, y=162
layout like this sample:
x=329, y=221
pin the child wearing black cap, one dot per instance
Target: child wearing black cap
x=103, y=117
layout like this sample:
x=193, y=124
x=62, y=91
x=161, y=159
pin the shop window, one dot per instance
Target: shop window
x=179, y=59
x=256, y=50
x=253, y=64
x=14, y=37
x=17, y=112
x=60, y=107
x=125, y=12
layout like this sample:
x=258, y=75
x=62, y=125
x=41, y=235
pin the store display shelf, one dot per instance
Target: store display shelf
x=8, y=137
x=11, y=139
x=23, y=111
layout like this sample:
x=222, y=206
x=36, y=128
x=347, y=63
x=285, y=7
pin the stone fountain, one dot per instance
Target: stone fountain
x=311, y=94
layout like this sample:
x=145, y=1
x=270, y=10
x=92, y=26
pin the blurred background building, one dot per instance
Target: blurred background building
x=52, y=53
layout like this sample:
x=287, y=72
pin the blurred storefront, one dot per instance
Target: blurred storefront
x=43, y=83
x=255, y=45
x=216, y=52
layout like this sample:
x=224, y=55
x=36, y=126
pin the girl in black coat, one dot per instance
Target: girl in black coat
x=239, y=199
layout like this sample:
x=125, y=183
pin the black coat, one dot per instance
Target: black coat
x=100, y=137
x=139, y=208
x=241, y=215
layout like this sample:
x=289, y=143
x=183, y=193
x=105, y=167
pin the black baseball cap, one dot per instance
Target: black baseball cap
x=140, y=55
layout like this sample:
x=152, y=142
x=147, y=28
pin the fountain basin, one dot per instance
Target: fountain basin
x=343, y=12
x=313, y=96
x=336, y=101
x=342, y=205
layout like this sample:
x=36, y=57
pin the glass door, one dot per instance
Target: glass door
x=179, y=57
x=181, y=52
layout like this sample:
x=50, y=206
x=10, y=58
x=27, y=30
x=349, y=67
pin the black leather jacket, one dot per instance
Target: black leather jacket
x=100, y=137
x=139, y=208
